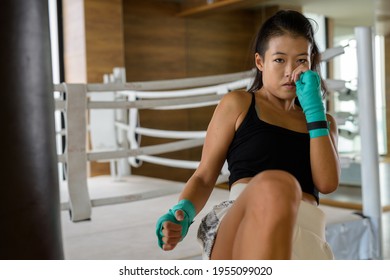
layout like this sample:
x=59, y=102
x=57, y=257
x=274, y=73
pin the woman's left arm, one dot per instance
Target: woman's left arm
x=324, y=159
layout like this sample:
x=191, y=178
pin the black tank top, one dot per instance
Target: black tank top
x=259, y=146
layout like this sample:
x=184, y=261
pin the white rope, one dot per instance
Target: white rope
x=177, y=163
x=128, y=197
x=188, y=106
x=331, y=53
x=174, y=134
x=165, y=84
x=175, y=83
x=122, y=126
x=335, y=84
x=147, y=150
x=155, y=103
x=218, y=89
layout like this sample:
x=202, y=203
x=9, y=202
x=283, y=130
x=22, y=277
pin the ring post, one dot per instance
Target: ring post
x=369, y=144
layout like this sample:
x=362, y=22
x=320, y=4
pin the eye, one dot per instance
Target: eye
x=302, y=61
x=279, y=60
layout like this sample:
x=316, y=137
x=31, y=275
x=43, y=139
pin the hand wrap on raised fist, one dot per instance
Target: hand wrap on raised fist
x=309, y=95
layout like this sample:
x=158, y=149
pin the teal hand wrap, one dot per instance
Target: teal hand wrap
x=189, y=214
x=309, y=96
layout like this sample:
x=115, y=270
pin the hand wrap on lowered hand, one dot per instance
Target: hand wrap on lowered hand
x=189, y=214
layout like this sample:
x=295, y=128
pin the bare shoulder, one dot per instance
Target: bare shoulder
x=233, y=107
x=237, y=101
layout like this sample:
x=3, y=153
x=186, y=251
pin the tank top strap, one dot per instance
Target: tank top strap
x=253, y=102
x=252, y=108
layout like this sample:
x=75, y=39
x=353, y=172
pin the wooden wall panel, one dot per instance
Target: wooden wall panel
x=160, y=45
x=219, y=43
x=155, y=40
x=104, y=37
x=187, y=4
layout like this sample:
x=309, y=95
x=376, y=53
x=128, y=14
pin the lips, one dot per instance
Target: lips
x=289, y=84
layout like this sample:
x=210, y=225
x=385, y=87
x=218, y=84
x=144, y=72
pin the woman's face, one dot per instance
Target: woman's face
x=285, y=57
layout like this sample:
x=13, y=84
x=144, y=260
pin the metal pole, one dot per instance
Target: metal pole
x=368, y=133
x=29, y=201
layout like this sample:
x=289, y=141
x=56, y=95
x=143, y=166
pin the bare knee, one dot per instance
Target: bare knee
x=274, y=191
x=277, y=184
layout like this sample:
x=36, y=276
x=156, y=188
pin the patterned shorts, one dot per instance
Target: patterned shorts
x=309, y=232
x=209, y=226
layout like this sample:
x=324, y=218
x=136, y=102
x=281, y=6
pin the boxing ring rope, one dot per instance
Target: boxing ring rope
x=124, y=101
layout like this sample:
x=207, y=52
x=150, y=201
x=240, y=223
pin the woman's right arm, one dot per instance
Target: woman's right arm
x=226, y=118
x=220, y=133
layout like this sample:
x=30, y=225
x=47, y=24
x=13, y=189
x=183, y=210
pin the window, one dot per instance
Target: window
x=346, y=106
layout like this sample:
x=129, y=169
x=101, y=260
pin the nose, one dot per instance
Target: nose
x=288, y=70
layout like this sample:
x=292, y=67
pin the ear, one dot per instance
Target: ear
x=259, y=62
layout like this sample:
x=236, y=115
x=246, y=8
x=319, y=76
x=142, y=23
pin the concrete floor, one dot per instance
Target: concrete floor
x=127, y=230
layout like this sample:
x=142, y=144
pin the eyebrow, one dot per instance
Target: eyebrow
x=279, y=53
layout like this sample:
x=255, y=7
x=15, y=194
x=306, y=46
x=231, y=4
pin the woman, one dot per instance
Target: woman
x=281, y=153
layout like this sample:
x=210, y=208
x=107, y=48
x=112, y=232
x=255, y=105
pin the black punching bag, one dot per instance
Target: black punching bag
x=30, y=226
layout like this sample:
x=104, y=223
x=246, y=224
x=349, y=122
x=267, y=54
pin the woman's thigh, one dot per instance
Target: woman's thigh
x=267, y=188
